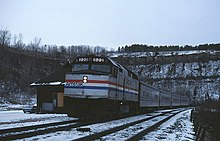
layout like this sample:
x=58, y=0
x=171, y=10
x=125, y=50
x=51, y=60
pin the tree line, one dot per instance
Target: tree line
x=35, y=47
x=150, y=48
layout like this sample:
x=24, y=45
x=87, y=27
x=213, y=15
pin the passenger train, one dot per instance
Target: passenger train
x=100, y=87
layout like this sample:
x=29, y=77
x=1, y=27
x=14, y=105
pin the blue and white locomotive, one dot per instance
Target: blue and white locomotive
x=100, y=87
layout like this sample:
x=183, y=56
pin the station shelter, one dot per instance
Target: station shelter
x=50, y=91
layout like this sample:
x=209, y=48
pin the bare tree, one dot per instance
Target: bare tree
x=18, y=41
x=35, y=45
x=5, y=37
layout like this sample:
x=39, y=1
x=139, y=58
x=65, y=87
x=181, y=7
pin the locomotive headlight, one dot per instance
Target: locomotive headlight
x=85, y=79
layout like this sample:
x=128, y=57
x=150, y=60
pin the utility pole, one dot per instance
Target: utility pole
x=219, y=105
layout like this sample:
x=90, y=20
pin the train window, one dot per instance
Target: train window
x=80, y=67
x=101, y=68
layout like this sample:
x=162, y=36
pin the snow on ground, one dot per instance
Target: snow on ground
x=177, y=128
x=16, y=118
x=6, y=107
x=161, y=53
x=181, y=122
x=74, y=134
x=132, y=130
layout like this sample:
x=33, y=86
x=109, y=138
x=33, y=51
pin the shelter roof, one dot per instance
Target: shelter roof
x=55, y=79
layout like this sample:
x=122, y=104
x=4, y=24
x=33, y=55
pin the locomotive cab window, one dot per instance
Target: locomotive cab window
x=101, y=67
x=104, y=68
x=92, y=65
x=80, y=67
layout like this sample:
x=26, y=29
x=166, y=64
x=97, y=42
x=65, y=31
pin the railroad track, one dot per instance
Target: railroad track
x=34, y=130
x=30, y=131
x=111, y=134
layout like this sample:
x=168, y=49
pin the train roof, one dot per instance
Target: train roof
x=163, y=91
x=148, y=85
x=118, y=65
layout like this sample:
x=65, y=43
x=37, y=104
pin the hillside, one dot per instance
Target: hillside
x=194, y=73
x=18, y=70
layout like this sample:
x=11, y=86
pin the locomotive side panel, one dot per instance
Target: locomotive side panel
x=131, y=89
x=123, y=87
x=113, y=89
x=120, y=86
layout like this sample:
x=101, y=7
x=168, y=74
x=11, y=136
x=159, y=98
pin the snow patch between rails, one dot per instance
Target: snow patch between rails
x=177, y=128
x=11, y=119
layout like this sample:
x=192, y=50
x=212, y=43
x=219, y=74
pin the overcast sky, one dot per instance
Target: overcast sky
x=113, y=23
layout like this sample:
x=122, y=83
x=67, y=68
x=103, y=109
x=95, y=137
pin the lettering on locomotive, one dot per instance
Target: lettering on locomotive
x=73, y=84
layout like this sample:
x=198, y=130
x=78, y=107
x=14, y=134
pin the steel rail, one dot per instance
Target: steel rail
x=42, y=130
x=25, y=128
x=142, y=133
x=118, y=128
